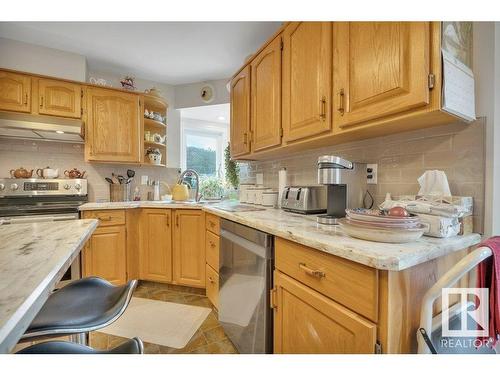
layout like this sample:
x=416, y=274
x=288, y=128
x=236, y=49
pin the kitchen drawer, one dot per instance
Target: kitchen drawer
x=212, y=285
x=212, y=223
x=106, y=217
x=212, y=250
x=348, y=283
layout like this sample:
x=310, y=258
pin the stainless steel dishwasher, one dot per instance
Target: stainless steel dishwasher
x=245, y=278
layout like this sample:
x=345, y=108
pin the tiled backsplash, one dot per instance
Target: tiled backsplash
x=457, y=149
x=40, y=154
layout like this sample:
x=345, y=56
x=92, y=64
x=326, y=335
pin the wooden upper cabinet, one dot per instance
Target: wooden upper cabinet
x=104, y=254
x=266, y=97
x=306, y=322
x=380, y=68
x=113, y=126
x=307, y=77
x=189, y=248
x=15, y=92
x=156, y=245
x=59, y=98
x=240, y=113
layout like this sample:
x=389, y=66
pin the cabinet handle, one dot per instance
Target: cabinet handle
x=245, y=138
x=210, y=279
x=322, y=114
x=26, y=98
x=105, y=218
x=41, y=101
x=341, y=102
x=212, y=245
x=168, y=221
x=315, y=273
x=177, y=220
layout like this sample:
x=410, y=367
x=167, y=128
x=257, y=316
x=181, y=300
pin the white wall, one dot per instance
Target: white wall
x=187, y=96
x=486, y=66
x=31, y=58
x=173, y=115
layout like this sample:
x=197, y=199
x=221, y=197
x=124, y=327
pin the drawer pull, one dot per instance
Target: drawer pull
x=212, y=245
x=315, y=273
x=211, y=280
x=106, y=218
x=212, y=224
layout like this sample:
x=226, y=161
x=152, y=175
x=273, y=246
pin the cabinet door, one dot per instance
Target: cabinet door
x=266, y=97
x=15, y=92
x=58, y=98
x=113, y=126
x=307, y=77
x=156, y=245
x=240, y=113
x=380, y=68
x=105, y=254
x=306, y=322
x=189, y=248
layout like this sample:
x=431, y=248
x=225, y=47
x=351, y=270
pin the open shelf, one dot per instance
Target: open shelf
x=150, y=122
x=153, y=144
x=155, y=103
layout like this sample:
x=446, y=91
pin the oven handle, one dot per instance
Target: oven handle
x=37, y=219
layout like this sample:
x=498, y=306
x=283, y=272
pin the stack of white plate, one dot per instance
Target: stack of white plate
x=376, y=225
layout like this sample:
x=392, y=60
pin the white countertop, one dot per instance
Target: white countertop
x=328, y=238
x=33, y=258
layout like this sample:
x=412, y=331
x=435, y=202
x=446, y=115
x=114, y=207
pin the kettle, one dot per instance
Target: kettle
x=47, y=172
x=21, y=173
x=180, y=192
x=74, y=173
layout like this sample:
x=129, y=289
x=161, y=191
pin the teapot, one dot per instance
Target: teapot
x=47, y=172
x=21, y=173
x=180, y=192
x=74, y=173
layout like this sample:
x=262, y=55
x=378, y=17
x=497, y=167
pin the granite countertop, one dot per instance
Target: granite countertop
x=143, y=204
x=331, y=239
x=33, y=258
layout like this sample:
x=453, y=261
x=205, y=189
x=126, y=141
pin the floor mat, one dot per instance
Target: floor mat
x=163, y=323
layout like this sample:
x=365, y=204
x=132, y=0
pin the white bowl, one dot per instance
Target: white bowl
x=383, y=235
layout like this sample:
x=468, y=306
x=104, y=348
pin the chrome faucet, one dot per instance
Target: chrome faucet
x=192, y=172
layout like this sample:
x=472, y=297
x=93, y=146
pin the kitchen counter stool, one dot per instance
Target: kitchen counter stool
x=80, y=307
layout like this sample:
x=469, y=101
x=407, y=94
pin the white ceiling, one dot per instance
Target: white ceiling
x=168, y=52
x=218, y=113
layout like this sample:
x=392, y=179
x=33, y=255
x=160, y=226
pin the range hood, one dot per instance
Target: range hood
x=42, y=128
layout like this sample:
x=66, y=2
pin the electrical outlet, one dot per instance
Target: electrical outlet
x=371, y=173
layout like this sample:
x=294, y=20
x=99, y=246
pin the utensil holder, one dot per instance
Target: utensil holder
x=119, y=192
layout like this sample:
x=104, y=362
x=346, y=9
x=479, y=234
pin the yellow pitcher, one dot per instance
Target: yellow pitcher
x=180, y=192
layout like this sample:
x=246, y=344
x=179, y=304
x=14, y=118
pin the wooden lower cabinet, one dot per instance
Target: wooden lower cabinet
x=212, y=285
x=189, y=248
x=155, y=244
x=306, y=322
x=104, y=254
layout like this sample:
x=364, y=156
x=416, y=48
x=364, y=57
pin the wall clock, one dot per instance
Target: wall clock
x=207, y=93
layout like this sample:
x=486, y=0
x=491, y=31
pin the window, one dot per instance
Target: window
x=204, y=136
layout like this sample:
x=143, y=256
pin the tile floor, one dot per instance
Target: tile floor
x=209, y=339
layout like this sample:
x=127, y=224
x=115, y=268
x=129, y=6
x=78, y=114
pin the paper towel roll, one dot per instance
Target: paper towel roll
x=282, y=183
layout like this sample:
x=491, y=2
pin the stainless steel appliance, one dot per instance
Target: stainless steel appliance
x=34, y=200
x=304, y=199
x=245, y=278
x=346, y=185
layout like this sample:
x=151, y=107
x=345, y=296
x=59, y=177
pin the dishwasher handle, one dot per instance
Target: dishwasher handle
x=259, y=250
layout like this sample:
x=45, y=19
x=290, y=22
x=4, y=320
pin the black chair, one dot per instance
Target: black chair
x=132, y=346
x=80, y=307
